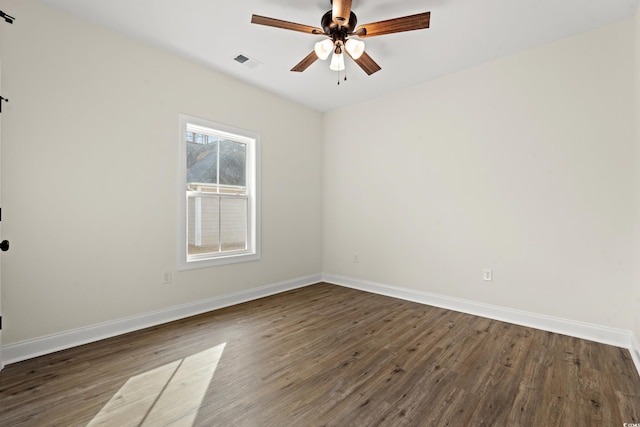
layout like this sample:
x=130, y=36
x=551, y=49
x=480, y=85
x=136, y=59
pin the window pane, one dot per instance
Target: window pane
x=203, y=229
x=233, y=160
x=202, y=163
x=233, y=230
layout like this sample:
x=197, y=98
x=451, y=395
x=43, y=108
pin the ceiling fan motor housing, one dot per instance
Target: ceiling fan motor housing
x=338, y=32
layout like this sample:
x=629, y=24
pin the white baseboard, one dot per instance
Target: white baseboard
x=13, y=353
x=588, y=331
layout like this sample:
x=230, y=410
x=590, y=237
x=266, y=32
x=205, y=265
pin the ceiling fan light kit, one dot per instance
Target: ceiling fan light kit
x=324, y=48
x=355, y=48
x=340, y=24
x=337, y=62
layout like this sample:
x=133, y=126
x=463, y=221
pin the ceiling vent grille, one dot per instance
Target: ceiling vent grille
x=246, y=60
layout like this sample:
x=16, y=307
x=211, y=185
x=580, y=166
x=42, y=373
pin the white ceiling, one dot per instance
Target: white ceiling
x=463, y=33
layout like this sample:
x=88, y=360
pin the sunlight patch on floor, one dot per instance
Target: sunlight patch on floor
x=169, y=395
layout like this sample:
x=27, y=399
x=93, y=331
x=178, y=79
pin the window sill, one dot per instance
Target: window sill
x=191, y=264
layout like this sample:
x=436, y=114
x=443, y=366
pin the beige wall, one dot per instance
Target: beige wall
x=523, y=165
x=89, y=176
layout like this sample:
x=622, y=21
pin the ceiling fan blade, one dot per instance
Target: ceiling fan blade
x=367, y=64
x=278, y=23
x=304, y=64
x=397, y=25
x=341, y=11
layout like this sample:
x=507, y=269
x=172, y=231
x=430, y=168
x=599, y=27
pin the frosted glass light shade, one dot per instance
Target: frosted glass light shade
x=355, y=48
x=337, y=62
x=324, y=48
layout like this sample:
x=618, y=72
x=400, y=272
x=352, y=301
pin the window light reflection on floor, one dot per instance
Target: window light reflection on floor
x=168, y=395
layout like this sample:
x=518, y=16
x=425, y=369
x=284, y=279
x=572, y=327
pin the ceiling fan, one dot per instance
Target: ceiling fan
x=340, y=24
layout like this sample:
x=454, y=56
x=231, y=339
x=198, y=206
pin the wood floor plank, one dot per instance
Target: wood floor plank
x=325, y=355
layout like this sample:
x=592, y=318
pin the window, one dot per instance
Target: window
x=218, y=194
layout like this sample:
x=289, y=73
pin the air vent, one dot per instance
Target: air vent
x=241, y=58
x=246, y=60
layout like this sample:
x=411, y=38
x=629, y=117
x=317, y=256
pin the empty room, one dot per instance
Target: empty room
x=316, y=213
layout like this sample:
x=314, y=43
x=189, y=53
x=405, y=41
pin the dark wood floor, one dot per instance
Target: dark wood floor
x=327, y=355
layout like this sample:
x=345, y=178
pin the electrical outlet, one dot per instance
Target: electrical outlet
x=487, y=274
x=356, y=258
x=166, y=277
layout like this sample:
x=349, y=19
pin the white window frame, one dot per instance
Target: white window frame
x=252, y=141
